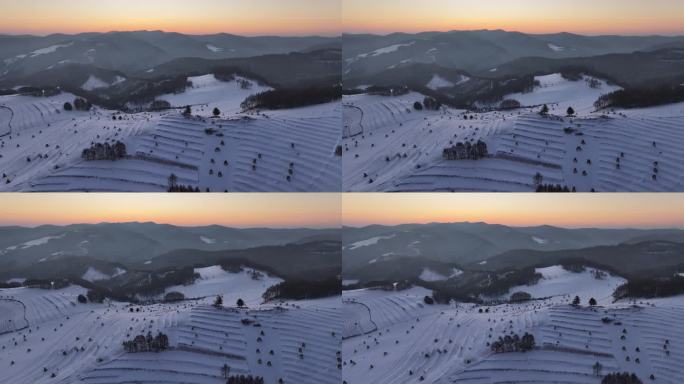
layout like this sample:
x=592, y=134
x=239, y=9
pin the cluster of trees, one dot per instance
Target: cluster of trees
x=651, y=287
x=576, y=302
x=513, y=343
x=79, y=104
x=147, y=343
x=293, y=97
x=519, y=297
x=172, y=297
x=641, y=97
x=175, y=187
x=555, y=188
x=99, y=151
x=242, y=379
x=303, y=289
x=431, y=104
x=218, y=302
x=466, y=151
x=621, y=378
x=150, y=91
x=159, y=105
x=46, y=284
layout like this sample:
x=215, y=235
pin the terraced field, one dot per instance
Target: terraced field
x=390, y=147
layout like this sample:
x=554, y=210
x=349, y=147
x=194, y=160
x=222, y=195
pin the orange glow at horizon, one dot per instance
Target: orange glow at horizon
x=257, y=17
x=589, y=17
x=316, y=210
x=519, y=210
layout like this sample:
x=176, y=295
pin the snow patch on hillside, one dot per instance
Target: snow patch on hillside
x=214, y=48
x=438, y=82
x=369, y=242
x=207, y=240
x=214, y=281
x=539, y=240
x=94, y=275
x=557, y=281
x=556, y=48
x=50, y=49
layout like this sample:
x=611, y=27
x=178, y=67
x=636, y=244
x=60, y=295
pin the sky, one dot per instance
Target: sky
x=274, y=210
x=591, y=17
x=605, y=210
x=253, y=17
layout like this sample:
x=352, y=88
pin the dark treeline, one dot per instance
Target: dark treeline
x=147, y=343
x=621, y=378
x=99, y=151
x=293, y=97
x=302, y=290
x=515, y=343
x=651, y=287
x=499, y=283
x=242, y=379
x=641, y=97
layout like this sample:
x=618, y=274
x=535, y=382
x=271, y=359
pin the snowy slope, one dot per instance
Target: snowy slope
x=557, y=281
x=215, y=281
x=82, y=342
x=388, y=146
x=392, y=337
x=41, y=149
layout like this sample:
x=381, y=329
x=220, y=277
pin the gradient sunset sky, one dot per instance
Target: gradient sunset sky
x=312, y=210
x=253, y=17
x=628, y=210
x=592, y=17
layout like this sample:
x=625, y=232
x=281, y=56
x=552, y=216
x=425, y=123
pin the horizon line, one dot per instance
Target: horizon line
x=34, y=34
x=598, y=34
x=361, y=226
x=28, y=226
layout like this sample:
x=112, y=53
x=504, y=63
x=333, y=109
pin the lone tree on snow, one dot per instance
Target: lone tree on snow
x=538, y=179
x=240, y=303
x=576, y=301
x=592, y=302
x=68, y=106
x=418, y=106
x=225, y=371
x=188, y=111
x=218, y=302
x=545, y=110
x=571, y=112
x=217, y=112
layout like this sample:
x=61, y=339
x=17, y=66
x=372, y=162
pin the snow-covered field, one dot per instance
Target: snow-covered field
x=296, y=341
x=393, y=337
x=286, y=150
x=388, y=146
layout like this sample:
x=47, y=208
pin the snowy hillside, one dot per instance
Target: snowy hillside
x=394, y=337
x=389, y=146
x=57, y=339
x=286, y=150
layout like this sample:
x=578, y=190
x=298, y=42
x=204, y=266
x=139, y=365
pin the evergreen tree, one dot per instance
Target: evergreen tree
x=576, y=301
x=592, y=302
x=545, y=110
x=217, y=112
x=571, y=112
x=218, y=302
x=240, y=303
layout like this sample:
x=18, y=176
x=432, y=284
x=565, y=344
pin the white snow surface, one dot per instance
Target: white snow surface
x=93, y=83
x=215, y=281
x=41, y=145
x=94, y=275
x=50, y=327
x=409, y=342
x=557, y=281
x=388, y=146
x=369, y=242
